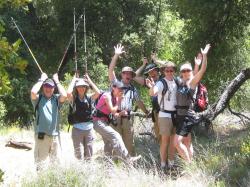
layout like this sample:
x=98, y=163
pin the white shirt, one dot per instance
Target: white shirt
x=169, y=100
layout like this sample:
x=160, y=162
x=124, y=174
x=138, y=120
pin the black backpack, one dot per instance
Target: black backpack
x=73, y=117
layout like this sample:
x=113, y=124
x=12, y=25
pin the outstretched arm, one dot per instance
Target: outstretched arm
x=118, y=51
x=197, y=78
x=61, y=90
x=35, y=89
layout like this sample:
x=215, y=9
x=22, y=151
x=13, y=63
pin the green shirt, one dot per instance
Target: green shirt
x=47, y=115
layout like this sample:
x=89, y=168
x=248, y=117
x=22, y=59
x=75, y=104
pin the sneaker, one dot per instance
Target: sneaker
x=134, y=158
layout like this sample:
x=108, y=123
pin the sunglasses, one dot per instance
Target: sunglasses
x=48, y=86
x=185, y=71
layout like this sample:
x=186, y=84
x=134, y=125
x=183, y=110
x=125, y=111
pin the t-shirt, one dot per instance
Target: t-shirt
x=47, y=115
x=103, y=107
x=130, y=95
x=169, y=100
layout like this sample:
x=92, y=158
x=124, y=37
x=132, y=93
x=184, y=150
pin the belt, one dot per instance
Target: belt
x=181, y=107
x=173, y=115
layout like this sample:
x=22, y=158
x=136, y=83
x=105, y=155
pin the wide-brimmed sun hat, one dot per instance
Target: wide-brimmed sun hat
x=81, y=82
x=128, y=69
x=151, y=67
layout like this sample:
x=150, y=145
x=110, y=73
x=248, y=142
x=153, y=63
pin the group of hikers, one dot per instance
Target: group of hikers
x=109, y=113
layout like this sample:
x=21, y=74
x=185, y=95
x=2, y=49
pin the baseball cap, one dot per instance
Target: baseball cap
x=49, y=82
x=186, y=66
x=118, y=84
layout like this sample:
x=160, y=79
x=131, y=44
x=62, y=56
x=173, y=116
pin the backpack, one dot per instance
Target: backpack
x=72, y=118
x=201, y=100
x=36, y=107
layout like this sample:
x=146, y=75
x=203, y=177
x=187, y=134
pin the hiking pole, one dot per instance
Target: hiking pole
x=85, y=43
x=75, y=55
x=68, y=45
x=157, y=26
x=34, y=58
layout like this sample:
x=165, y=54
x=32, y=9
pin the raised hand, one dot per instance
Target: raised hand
x=43, y=77
x=145, y=61
x=197, y=61
x=119, y=49
x=206, y=49
x=150, y=83
x=153, y=57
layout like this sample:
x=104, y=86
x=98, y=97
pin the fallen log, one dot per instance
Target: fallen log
x=19, y=145
x=223, y=102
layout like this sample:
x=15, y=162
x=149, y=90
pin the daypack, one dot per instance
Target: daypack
x=80, y=116
x=36, y=107
x=201, y=100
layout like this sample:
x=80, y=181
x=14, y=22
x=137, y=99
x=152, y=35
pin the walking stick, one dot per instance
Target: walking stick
x=75, y=55
x=85, y=44
x=34, y=58
x=68, y=45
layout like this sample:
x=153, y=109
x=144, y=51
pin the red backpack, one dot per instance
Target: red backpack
x=201, y=101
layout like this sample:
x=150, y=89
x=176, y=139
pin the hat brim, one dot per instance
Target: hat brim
x=146, y=72
x=133, y=73
x=49, y=84
x=82, y=85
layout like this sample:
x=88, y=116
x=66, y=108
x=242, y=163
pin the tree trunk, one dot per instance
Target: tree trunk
x=211, y=113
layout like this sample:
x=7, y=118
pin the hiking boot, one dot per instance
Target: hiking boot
x=134, y=158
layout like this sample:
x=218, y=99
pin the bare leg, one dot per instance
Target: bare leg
x=188, y=142
x=163, y=148
x=181, y=148
x=171, y=148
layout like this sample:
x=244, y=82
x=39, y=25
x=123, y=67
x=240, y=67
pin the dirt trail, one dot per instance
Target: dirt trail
x=17, y=163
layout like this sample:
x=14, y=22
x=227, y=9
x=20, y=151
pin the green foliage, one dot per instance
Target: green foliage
x=224, y=24
x=2, y=113
x=1, y=175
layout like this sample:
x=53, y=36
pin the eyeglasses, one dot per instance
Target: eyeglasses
x=186, y=71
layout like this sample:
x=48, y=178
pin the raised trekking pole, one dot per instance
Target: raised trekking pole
x=85, y=43
x=34, y=58
x=69, y=43
x=75, y=54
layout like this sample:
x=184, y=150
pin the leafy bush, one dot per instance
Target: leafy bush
x=2, y=112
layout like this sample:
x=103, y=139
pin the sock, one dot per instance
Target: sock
x=163, y=164
x=170, y=162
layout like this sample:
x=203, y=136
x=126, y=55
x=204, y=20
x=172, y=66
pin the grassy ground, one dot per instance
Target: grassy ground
x=222, y=159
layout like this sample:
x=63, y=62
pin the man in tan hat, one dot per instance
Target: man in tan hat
x=125, y=124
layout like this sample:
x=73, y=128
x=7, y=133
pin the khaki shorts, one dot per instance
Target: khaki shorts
x=166, y=126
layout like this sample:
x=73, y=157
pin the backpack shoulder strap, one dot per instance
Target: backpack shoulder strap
x=37, y=104
x=165, y=86
x=164, y=91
